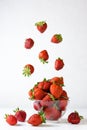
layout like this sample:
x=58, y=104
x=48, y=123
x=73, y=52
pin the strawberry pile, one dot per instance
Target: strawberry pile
x=50, y=97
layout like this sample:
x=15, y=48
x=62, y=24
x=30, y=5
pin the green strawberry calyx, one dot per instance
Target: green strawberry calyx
x=16, y=110
x=42, y=114
x=58, y=37
x=51, y=96
x=81, y=117
x=43, y=61
x=26, y=71
x=6, y=115
x=40, y=23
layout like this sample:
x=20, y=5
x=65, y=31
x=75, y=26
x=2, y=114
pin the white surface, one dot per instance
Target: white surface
x=60, y=125
x=17, y=19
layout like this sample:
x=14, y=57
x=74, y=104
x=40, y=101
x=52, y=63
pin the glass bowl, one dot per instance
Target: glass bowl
x=53, y=110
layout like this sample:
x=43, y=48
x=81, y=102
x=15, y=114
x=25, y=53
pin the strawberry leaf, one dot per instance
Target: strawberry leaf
x=43, y=61
x=26, y=71
x=40, y=23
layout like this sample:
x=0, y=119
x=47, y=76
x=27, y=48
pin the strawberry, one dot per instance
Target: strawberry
x=38, y=94
x=37, y=106
x=59, y=64
x=57, y=80
x=29, y=43
x=41, y=26
x=43, y=56
x=74, y=118
x=45, y=85
x=20, y=115
x=56, y=90
x=30, y=93
x=56, y=38
x=28, y=70
x=48, y=97
x=52, y=113
x=64, y=96
x=47, y=101
x=11, y=119
x=63, y=100
x=62, y=104
x=36, y=119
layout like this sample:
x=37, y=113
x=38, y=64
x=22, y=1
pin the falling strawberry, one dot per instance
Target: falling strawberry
x=20, y=115
x=41, y=26
x=43, y=56
x=11, y=119
x=56, y=38
x=28, y=70
x=36, y=119
x=59, y=64
x=74, y=118
x=29, y=43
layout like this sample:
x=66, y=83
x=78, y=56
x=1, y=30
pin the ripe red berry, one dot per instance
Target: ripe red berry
x=43, y=56
x=74, y=118
x=56, y=38
x=59, y=64
x=29, y=43
x=11, y=119
x=41, y=26
x=20, y=115
x=28, y=70
x=36, y=119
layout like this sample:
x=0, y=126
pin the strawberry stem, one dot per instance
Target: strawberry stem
x=59, y=37
x=43, y=61
x=17, y=109
x=6, y=116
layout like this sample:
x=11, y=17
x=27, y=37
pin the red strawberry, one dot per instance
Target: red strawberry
x=64, y=96
x=56, y=90
x=74, y=118
x=59, y=64
x=45, y=85
x=43, y=56
x=52, y=113
x=41, y=26
x=29, y=43
x=20, y=115
x=38, y=94
x=62, y=104
x=11, y=119
x=37, y=106
x=47, y=101
x=56, y=38
x=36, y=119
x=48, y=97
x=28, y=70
x=57, y=80
x=30, y=93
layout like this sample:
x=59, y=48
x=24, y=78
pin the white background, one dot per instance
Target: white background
x=17, y=22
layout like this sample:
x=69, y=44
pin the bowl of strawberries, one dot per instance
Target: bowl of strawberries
x=50, y=98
